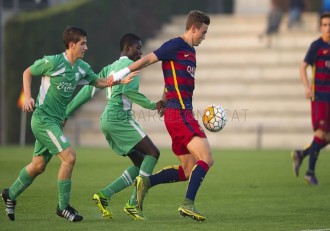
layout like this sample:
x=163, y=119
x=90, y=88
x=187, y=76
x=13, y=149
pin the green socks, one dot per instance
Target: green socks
x=64, y=192
x=23, y=181
x=148, y=165
x=146, y=169
x=122, y=182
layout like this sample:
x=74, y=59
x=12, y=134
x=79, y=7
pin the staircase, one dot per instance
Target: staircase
x=259, y=86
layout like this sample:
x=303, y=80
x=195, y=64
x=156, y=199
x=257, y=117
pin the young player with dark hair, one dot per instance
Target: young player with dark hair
x=318, y=56
x=61, y=74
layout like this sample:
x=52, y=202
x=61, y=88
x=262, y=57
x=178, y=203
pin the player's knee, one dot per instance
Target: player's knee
x=39, y=168
x=70, y=157
x=208, y=160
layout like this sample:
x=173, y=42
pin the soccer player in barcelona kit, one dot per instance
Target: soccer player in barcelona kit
x=189, y=142
x=318, y=56
x=123, y=134
x=61, y=74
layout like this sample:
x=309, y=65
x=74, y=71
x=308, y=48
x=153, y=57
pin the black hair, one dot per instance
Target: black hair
x=128, y=40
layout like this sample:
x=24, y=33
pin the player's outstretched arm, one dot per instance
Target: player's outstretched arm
x=128, y=78
x=140, y=99
x=110, y=81
x=145, y=61
x=29, y=103
x=137, y=65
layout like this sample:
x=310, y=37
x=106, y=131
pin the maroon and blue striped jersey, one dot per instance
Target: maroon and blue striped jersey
x=179, y=65
x=318, y=56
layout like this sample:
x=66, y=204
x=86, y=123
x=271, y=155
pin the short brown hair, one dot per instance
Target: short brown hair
x=197, y=18
x=72, y=34
x=324, y=15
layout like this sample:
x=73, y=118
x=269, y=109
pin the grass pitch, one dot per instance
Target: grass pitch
x=244, y=190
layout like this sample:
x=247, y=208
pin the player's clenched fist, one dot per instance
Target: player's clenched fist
x=28, y=105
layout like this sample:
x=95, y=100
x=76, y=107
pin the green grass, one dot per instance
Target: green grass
x=244, y=190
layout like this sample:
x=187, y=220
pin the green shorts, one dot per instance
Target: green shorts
x=50, y=139
x=123, y=135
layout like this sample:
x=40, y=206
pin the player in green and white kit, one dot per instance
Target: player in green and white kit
x=60, y=75
x=123, y=134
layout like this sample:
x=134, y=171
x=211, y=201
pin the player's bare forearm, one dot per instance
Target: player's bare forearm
x=304, y=80
x=29, y=103
x=101, y=83
x=27, y=79
x=143, y=62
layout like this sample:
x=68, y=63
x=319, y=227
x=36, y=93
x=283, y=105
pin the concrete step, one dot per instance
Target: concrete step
x=227, y=32
x=240, y=24
x=206, y=88
x=240, y=58
x=218, y=56
x=227, y=42
x=245, y=74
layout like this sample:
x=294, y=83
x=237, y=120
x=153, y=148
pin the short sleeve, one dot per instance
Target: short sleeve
x=311, y=54
x=42, y=66
x=167, y=51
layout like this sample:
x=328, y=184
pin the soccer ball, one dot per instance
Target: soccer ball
x=214, y=118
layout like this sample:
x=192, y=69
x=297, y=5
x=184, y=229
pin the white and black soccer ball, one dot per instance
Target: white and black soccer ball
x=214, y=118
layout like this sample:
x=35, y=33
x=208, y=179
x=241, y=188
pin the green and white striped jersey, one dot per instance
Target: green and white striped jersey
x=58, y=83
